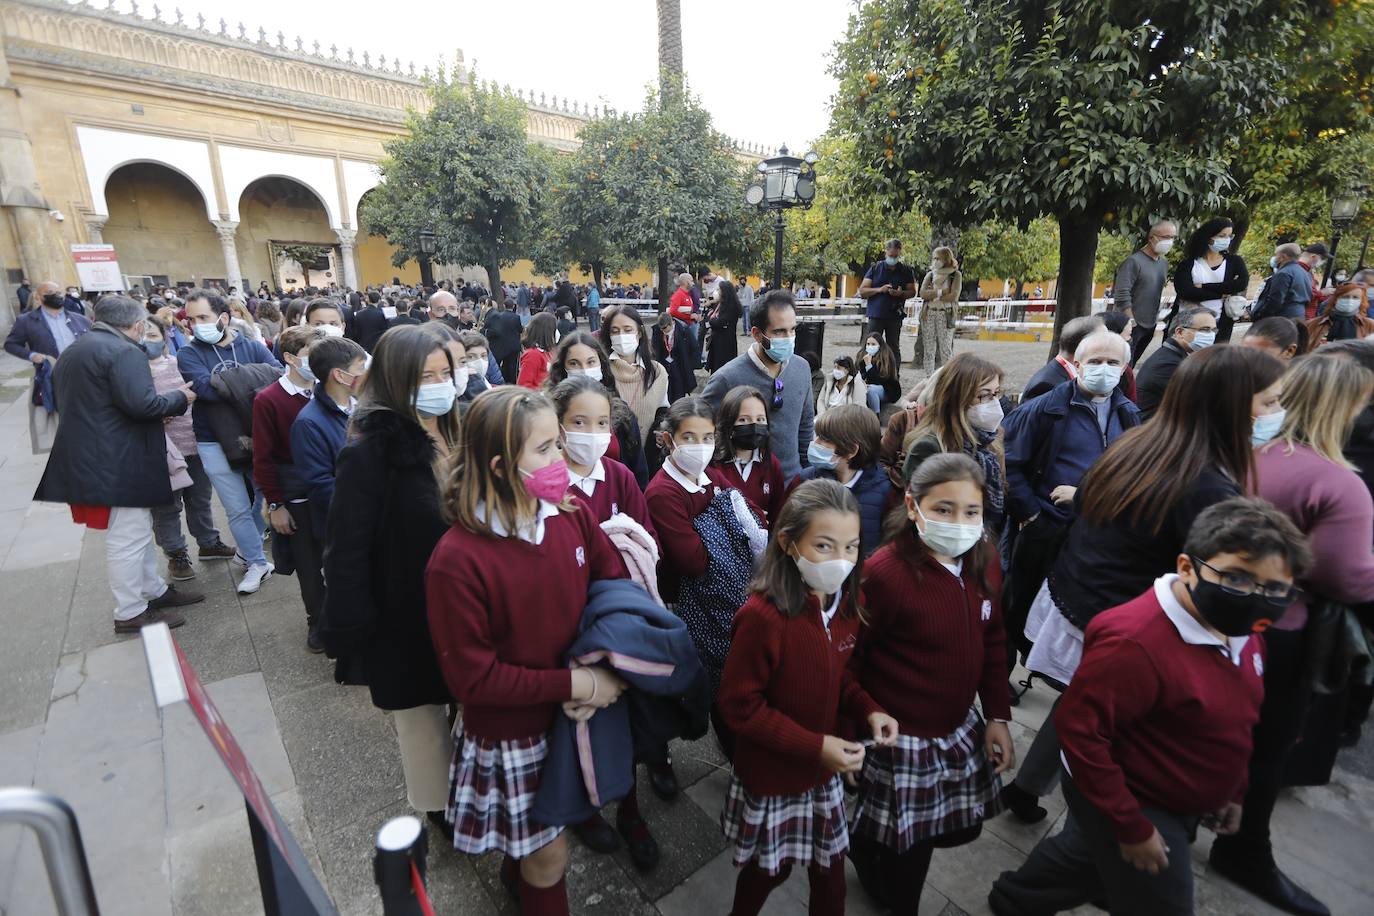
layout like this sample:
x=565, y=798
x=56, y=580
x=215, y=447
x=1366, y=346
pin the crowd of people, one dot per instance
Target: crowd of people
x=548, y=548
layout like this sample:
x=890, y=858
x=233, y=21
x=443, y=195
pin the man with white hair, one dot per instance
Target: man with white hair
x=1194, y=329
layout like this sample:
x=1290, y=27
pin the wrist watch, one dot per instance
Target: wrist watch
x=273, y=507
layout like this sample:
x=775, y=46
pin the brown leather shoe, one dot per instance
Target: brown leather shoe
x=179, y=567
x=148, y=618
x=174, y=597
x=217, y=551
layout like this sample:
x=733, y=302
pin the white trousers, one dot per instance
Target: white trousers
x=426, y=753
x=131, y=559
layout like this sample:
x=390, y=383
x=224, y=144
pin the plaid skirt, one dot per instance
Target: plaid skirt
x=924, y=787
x=491, y=791
x=780, y=830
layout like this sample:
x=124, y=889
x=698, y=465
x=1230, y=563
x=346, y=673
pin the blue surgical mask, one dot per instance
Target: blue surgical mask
x=1347, y=305
x=780, y=349
x=1100, y=378
x=891, y=262
x=1274, y=262
x=304, y=370
x=1266, y=427
x=208, y=333
x=154, y=348
x=1221, y=244
x=1203, y=339
x=436, y=398
x=820, y=456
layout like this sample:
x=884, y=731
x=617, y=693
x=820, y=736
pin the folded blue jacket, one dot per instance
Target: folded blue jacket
x=592, y=763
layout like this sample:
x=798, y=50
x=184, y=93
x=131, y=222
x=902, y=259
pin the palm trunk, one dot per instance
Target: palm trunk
x=670, y=74
x=1077, y=257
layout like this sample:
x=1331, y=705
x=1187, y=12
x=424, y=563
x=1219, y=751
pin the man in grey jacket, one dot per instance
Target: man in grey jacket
x=1289, y=290
x=1140, y=283
x=781, y=379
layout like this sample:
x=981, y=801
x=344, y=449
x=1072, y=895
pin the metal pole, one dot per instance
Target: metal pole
x=1331, y=261
x=1364, y=250
x=401, y=846
x=59, y=837
x=778, y=226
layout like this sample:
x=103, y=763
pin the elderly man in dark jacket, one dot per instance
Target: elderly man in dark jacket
x=109, y=462
x=1195, y=329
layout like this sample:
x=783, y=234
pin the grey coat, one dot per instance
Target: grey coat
x=110, y=448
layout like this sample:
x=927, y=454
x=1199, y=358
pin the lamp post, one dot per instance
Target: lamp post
x=1344, y=208
x=428, y=245
x=784, y=182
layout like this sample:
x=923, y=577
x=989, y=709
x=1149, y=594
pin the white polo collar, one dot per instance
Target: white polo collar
x=697, y=486
x=588, y=484
x=530, y=534
x=291, y=388
x=1189, y=630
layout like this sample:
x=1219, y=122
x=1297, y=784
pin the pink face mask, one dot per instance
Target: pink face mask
x=549, y=483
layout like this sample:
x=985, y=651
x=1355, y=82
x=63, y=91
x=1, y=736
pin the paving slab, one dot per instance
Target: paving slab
x=277, y=632
x=18, y=762
x=33, y=640
x=48, y=535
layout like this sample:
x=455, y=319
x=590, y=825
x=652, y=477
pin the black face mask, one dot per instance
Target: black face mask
x=53, y=300
x=752, y=435
x=1234, y=615
x=450, y=320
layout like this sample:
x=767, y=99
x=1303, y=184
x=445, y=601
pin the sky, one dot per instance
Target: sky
x=759, y=66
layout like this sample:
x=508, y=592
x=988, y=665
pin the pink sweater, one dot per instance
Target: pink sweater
x=1333, y=508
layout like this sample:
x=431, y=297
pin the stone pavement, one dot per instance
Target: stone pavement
x=165, y=831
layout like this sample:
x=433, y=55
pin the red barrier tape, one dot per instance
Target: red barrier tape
x=420, y=893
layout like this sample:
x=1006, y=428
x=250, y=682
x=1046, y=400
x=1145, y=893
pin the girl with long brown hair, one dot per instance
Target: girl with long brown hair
x=1135, y=507
x=640, y=380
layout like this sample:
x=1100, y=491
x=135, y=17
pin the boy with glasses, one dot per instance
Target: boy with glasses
x=1156, y=724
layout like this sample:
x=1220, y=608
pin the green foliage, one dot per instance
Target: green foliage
x=574, y=227
x=303, y=254
x=1002, y=251
x=983, y=110
x=465, y=170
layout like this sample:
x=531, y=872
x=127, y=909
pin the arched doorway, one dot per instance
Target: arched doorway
x=374, y=256
x=158, y=228
x=276, y=212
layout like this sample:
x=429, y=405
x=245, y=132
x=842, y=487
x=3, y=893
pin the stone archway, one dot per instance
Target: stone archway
x=275, y=210
x=158, y=227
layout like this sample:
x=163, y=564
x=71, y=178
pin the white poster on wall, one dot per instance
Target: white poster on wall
x=97, y=268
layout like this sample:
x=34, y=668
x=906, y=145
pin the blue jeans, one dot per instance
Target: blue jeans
x=594, y=319
x=875, y=398
x=245, y=514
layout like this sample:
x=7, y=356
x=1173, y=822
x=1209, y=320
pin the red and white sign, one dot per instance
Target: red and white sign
x=97, y=268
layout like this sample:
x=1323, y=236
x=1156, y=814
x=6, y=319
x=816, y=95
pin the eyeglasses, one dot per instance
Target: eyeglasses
x=777, y=393
x=1279, y=594
x=988, y=398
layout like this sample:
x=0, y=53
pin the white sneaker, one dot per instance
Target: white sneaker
x=253, y=579
x=240, y=563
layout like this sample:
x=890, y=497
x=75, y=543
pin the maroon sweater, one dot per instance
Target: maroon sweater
x=766, y=488
x=934, y=640
x=785, y=681
x=1151, y=720
x=619, y=492
x=682, y=552
x=273, y=412
x=502, y=612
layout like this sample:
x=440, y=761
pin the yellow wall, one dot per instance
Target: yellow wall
x=276, y=209
x=158, y=225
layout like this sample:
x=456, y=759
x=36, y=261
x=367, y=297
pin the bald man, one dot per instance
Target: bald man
x=1288, y=291
x=1139, y=284
x=44, y=332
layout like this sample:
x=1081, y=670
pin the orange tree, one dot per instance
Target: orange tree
x=1091, y=112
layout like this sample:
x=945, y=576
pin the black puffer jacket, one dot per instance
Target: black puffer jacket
x=383, y=525
x=110, y=448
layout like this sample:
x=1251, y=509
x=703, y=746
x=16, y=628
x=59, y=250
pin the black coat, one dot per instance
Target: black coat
x=110, y=448
x=724, y=344
x=369, y=324
x=1050, y=375
x=502, y=331
x=1154, y=376
x=383, y=525
x=681, y=361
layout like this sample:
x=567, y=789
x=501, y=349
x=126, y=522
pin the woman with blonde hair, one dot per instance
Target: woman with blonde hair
x=243, y=320
x=964, y=415
x=940, y=294
x=1300, y=468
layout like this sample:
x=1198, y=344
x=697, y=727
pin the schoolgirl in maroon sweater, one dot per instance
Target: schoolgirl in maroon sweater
x=934, y=643
x=743, y=460
x=681, y=490
x=786, y=680
x=506, y=587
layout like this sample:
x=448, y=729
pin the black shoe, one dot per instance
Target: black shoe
x=1022, y=804
x=642, y=846
x=869, y=862
x=1260, y=876
x=597, y=835
x=315, y=645
x=148, y=618
x=174, y=597
x=663, y=780
x=441, y=824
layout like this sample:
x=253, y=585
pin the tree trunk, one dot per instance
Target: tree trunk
x=1077, y=257
x=665, y=288
x=670, y=76
x=1239, y=230
x=494, y=282
x=597, y=268
x=1020, y=288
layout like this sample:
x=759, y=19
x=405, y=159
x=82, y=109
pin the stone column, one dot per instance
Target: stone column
x=227, y=230
x=95, y=229
x=347, y=247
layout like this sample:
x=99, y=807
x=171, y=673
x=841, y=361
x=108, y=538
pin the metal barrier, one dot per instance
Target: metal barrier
x=399, y=867
x=59, y=837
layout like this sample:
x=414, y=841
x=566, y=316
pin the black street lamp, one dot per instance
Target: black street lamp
x=784, y=182
x=429, y=244
x=1344, y=208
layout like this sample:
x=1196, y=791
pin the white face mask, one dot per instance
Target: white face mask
x=840, y=374
x=1162, y=246
x=1347, y=305
x=691, y=460
x=476, y=366
x=949, y=538
x=332, y=330
x=593, y=372
x=986, y=417
x=625, y=344
x=585, y=448
x=826, y=577
x=871, y=349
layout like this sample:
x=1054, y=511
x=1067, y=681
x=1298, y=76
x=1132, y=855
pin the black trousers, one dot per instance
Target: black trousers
x=892, y=328
x=1140, y=342
x=1225, y=324
x=1039, y=769
x=1034, y=551
x=1083, y=863
x=1286, y=697
x=510, y=368
x=306, y=548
